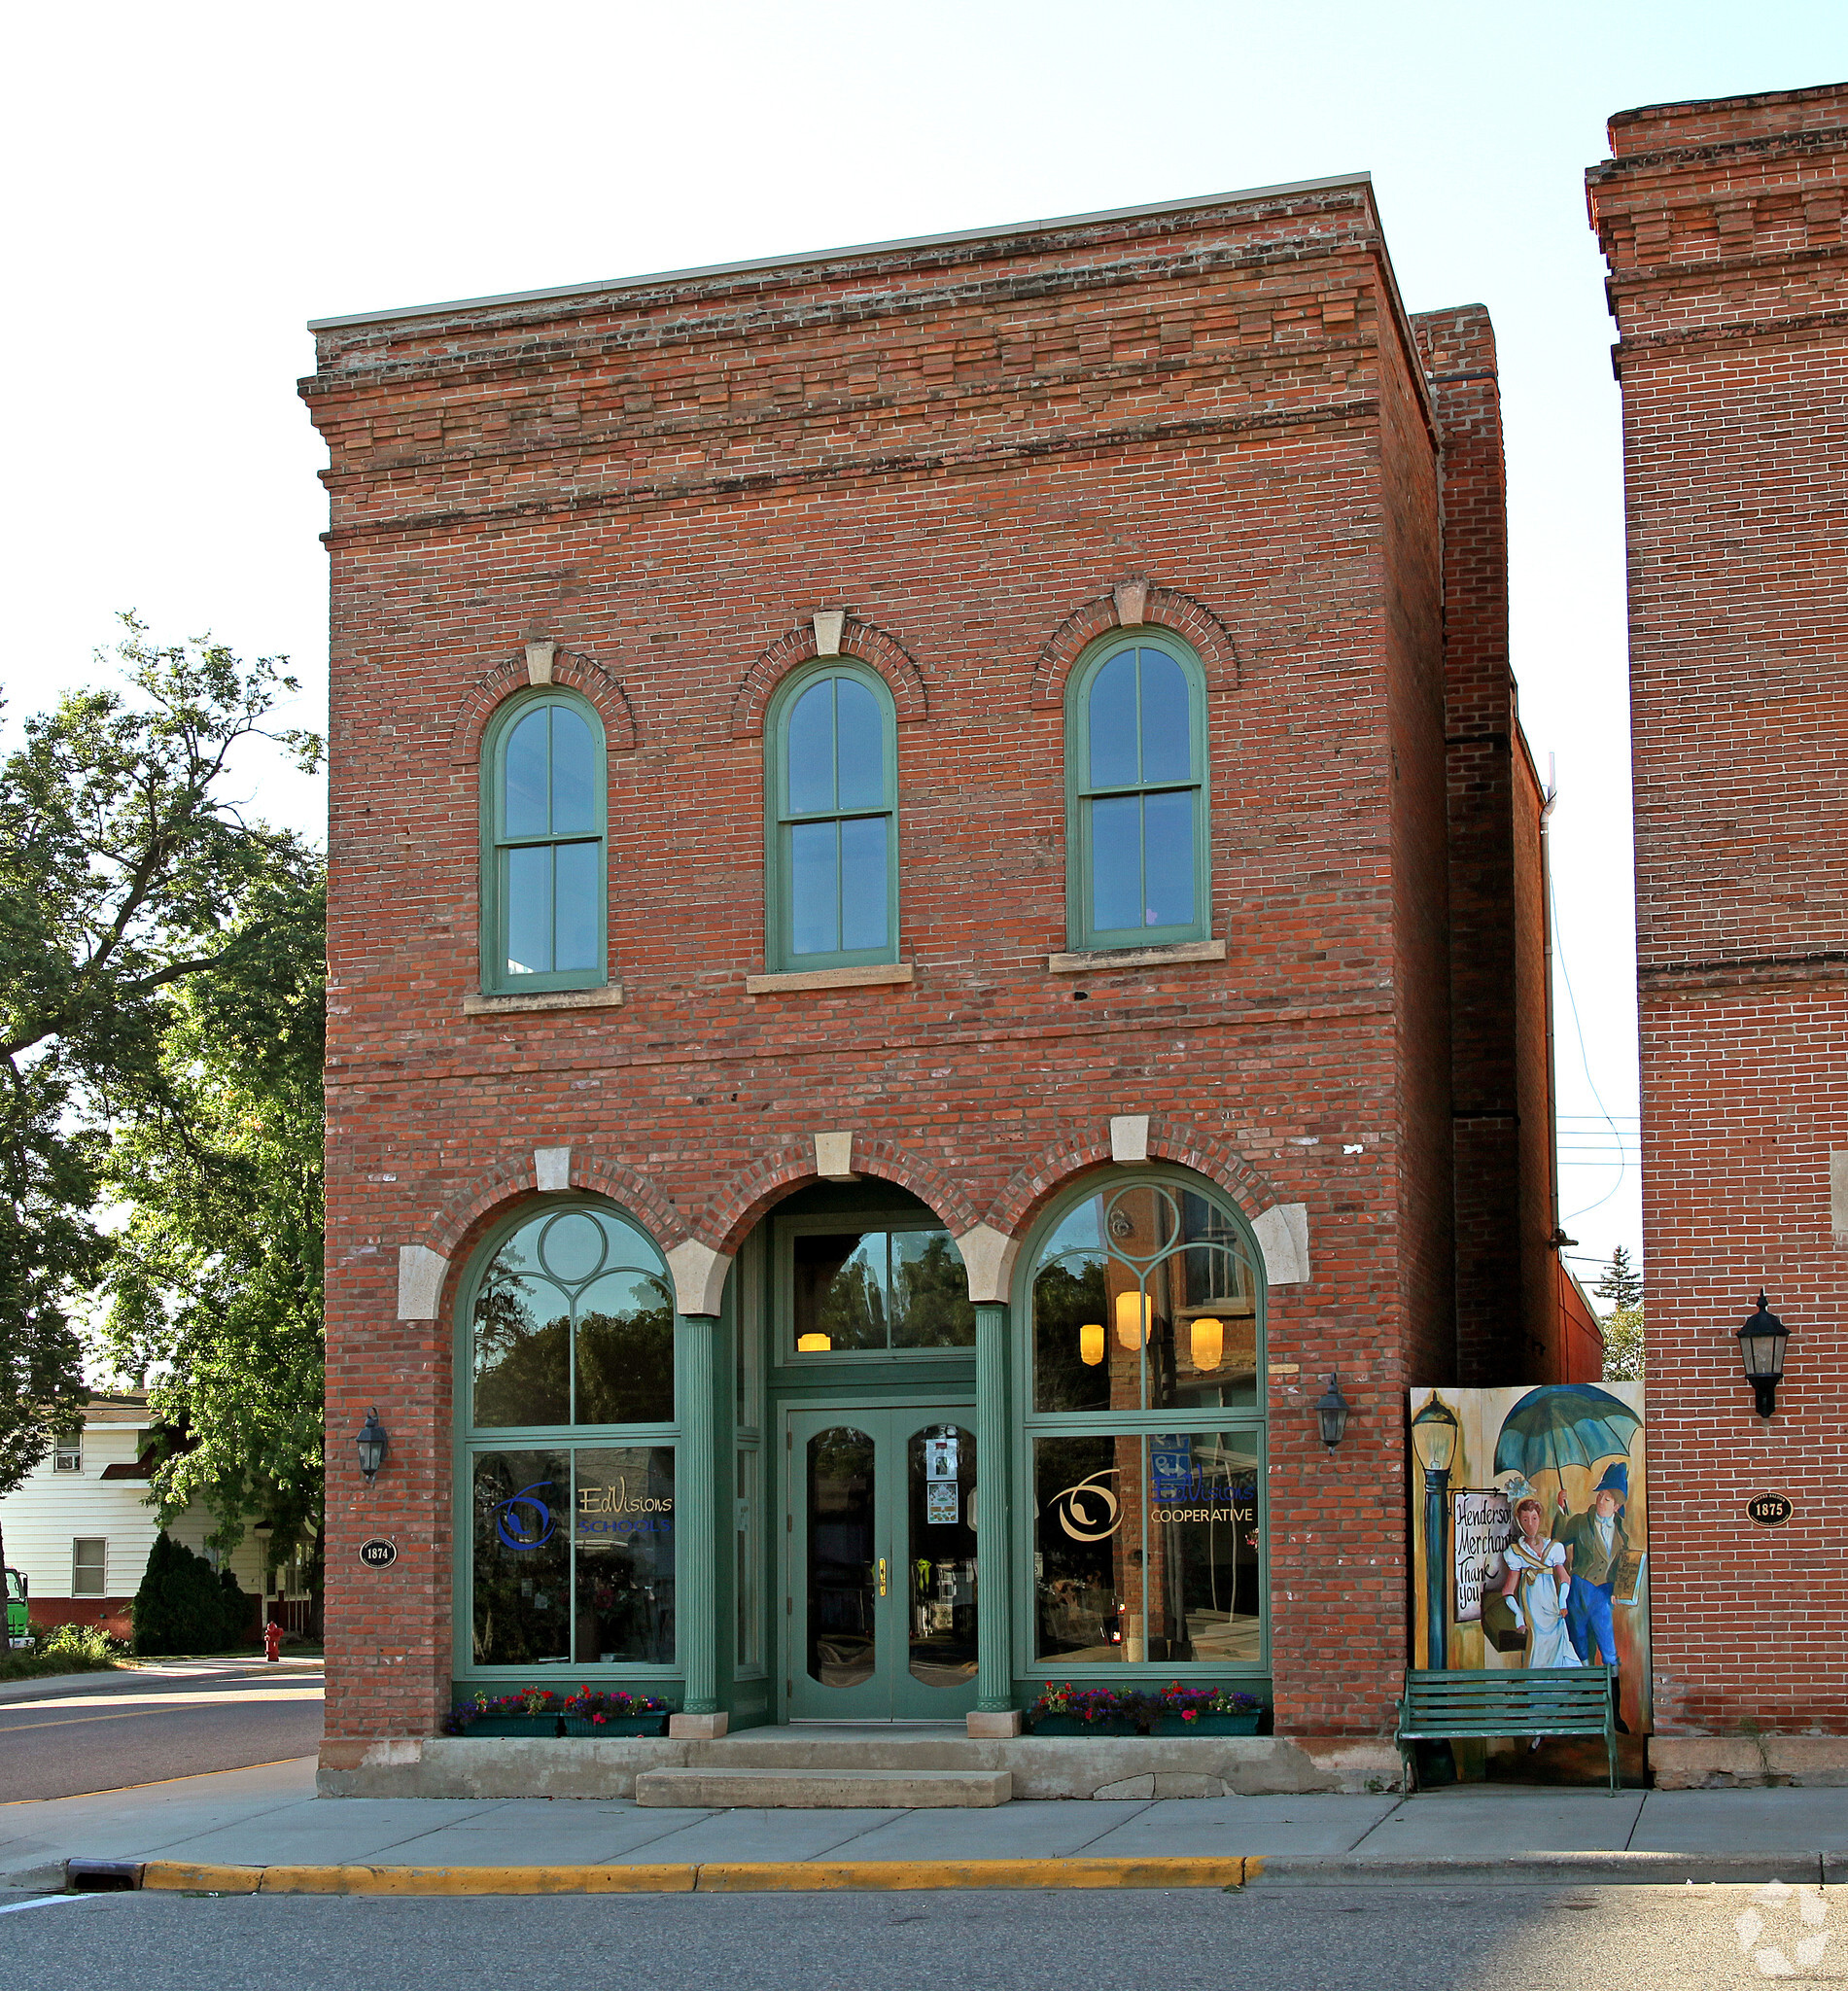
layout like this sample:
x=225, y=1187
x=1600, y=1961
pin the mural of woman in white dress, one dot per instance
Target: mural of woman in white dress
x=1537, y=1586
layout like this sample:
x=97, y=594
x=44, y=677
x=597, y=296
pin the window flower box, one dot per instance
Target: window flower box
x=1074, y=1725
x=1239, y=1723
x=539, y=1711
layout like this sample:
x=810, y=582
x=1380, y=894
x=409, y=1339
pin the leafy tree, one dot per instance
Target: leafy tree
x=124, y=867
x=216, y=1283
x=1623, y=1345
x=1619, y=1282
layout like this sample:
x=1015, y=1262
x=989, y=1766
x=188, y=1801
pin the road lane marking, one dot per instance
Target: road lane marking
x=50, y=1901
x=133, y=1714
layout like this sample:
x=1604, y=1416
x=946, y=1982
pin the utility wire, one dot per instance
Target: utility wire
x=1584, y=1061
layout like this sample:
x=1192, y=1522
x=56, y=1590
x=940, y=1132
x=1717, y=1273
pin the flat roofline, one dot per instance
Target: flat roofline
x=1803, y=93
x=796, y=261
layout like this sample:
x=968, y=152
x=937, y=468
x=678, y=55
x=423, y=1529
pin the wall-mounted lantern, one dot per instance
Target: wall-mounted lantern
x=1762, y=1343
x=1332, y=1411
x=373, y=1443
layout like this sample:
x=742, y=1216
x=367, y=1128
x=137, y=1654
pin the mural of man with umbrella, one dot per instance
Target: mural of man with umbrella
x=1578, y=1424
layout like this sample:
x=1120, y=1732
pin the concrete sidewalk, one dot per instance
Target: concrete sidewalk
x=270, y=1817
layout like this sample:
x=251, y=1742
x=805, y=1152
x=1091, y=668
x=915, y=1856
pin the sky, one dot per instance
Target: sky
x=191, y=183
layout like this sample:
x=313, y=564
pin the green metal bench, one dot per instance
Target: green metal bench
x=1553, y=1701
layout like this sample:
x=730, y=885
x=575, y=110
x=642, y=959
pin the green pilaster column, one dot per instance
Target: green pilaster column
x=702, y=1502
x=994, y=1548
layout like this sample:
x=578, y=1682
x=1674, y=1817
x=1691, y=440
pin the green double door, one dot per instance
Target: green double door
x=881, y=1606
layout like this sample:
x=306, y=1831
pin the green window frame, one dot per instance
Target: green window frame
x=831, y=819
x=570, y=1490
x=1138, y=803
x=544, y=847
x=1211, y=1274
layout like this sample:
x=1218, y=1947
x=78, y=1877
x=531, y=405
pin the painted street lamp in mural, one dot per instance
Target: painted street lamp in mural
x=373, y=1443
x=1332, y=1411
x=1762, y=1343
x=1434, y=1436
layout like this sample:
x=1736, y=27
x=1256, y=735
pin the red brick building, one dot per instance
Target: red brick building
x=932, y=869
x=1722, y=223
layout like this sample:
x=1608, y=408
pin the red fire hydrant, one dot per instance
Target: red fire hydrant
x=272, y=1640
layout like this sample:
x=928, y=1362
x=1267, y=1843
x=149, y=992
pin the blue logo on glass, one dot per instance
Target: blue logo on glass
x=522, y=1520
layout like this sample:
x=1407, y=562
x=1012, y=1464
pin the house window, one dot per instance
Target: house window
x=1137, y=823
x=568, y=1438
x=89, y=1563
x=833, y=828
x=67, y=1455
x=1145, y=1436
x=542, y=858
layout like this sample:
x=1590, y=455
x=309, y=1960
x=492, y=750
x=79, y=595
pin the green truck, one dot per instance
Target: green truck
x=18, y=1617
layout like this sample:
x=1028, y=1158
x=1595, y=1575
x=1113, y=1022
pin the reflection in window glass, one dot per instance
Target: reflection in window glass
x=749, y=1648
x=1146, y=1550
x=842, y=1620
x=858, y=1290
x=1144, y=1297
x=573, y=1307
x=940, y=1584
x=835, y=835
x=521, y=1517
x=551, y=862
x=622, y=1525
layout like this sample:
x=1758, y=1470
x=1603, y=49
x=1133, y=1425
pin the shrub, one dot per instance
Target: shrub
x=185, y=1606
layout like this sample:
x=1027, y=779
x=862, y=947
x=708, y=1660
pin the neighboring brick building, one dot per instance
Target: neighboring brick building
x=1722, y=223
x=948, y=610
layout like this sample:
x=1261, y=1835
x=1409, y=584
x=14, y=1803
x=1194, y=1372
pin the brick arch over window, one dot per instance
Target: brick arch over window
x=871, y=645
x=571, y=669
x=1135, y=604
x=490, y=1195
x=1042, y=1176
x=739, y=1201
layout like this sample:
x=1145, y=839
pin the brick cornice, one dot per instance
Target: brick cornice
x=572, y=669
x=1743, y=332
x=864, y=641
x=1166, y=609
x=1348, y=411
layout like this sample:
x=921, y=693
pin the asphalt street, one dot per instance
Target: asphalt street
x=110, y=1731
x=1311, y=1939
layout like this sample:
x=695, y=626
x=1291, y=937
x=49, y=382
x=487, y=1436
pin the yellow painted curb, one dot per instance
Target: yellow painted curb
x=779, y=1876
x=818, y=1876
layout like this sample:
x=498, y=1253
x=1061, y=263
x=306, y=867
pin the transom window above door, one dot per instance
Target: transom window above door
x=832, y=857
x=856, y=1288
x=1135, y=745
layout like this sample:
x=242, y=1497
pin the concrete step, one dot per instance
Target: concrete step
x=823, y=1789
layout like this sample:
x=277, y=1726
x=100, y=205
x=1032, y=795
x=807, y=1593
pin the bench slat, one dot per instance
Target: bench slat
x=1564, y=1700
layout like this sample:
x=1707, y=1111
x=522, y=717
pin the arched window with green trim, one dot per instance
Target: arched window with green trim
x=565, y=1429
x=1137, y=820
x=544, y=867
x=1143, y=1360
x=832, y=834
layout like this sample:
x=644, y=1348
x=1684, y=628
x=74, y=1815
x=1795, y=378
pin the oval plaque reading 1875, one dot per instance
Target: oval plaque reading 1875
x=378, y=1554
x=1769, y=1509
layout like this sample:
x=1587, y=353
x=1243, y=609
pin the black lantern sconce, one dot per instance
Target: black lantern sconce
x=1332, y=1411
x=1762, y=1341
x=373, y=1443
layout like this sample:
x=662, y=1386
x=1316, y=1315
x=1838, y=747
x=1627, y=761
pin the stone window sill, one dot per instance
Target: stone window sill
x=1101, y=959
x=881, y=974
x=551, y=999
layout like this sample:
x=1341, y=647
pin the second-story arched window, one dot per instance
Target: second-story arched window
x=543, y=865
x=833, y=828
x=1135, y=747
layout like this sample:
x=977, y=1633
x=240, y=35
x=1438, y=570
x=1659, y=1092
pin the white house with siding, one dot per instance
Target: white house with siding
x=81, y=1524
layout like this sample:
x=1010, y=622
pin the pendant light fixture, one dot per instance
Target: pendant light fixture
x=1133, y=1319
x=1210, y=1344
x=1091, y=1344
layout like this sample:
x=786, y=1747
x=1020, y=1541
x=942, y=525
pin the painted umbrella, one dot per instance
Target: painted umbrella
x=1564, y=1424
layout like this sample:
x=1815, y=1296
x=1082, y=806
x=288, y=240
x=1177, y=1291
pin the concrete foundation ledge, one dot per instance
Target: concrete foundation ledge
x=792, y=1876
x=823, y=1789
x=1040, y=1767
x=1716, y=1763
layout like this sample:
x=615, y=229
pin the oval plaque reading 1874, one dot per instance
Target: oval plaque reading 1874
x=378, y=1554
x=1769, y=1509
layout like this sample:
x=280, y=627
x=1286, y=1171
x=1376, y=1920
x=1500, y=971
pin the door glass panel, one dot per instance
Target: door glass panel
x=940, y=1494
x=623, y=1520
x=841, y=1624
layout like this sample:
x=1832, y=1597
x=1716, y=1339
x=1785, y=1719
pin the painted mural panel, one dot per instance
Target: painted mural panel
x=1530, y=1531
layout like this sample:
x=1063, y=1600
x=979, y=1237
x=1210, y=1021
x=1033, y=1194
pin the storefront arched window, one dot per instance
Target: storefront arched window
x=566, y=1420
x=1144, y=1436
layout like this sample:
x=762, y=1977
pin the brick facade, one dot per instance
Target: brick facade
x=1722, y=223
x=966, y=448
